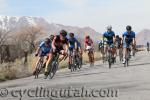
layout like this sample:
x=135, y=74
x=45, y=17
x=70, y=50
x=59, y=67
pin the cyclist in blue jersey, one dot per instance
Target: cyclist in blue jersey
x=43, y=50
x=128, y=40
x=74, y=44
x=110, y=36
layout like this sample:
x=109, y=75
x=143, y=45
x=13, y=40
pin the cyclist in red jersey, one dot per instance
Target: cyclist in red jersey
x=89, y=46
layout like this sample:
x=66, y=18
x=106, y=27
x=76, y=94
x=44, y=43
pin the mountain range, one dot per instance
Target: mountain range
x=143, y=37
x=16, y=23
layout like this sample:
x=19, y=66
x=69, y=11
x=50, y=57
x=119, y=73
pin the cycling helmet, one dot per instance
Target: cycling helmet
x=63, y=33
x=47, y=40
x=117, y=36
x=109, y=27
x=71, y=34
x=87, y=37
x=128, y=28
x=51, y=37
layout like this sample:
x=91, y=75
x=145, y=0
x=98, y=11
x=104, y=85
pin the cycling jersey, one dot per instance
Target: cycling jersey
x=118, y=42
x=109, y=36
x=59, y=43
x=130, y=36
x=88, y=42
x=72, y=42
x=44, y=49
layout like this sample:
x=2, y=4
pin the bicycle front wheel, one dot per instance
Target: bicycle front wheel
x=53, y=69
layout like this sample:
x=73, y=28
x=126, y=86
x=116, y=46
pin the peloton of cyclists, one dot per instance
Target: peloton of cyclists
x=56, y=43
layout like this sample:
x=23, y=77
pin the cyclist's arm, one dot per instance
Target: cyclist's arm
x=67, y=47
x=53, y=43
x=134, y=41
x=114, y=39
x=123, y=38
x=76, y=43
x=38, y=50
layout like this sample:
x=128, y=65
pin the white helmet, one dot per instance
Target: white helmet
x=109, y=27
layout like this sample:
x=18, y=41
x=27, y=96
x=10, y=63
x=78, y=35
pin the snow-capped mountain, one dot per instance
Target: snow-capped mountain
x=7, y=22
x=16, y=23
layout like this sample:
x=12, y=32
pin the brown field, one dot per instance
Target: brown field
x=9, y=71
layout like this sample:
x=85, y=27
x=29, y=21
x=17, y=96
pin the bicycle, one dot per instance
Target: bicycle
x=90, y=56
x=127, y=57
x=110, y=58
x=39, y=67
x=120, y=54
x=53, y=66
x=76, y=61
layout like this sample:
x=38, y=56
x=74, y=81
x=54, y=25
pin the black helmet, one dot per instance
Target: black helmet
x=51, y=37
x=117, y=36
x=71, y=34
x=87, y=37
x=128, y=28
x=47, y=41
x=63, y=33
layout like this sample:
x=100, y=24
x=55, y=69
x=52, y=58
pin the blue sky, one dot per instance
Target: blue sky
x=94, y=13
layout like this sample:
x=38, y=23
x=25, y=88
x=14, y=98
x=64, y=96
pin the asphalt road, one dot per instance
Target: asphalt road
x=89, y=83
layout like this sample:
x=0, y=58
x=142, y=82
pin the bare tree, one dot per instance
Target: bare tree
x=4, y=35
x=30, y=35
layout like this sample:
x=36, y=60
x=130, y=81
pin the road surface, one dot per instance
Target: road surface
x=89, y=83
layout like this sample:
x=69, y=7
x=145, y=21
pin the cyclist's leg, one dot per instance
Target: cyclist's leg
x=92, y=56
x=50, y=57
x=106, y=47
x=114, y=54
x=70, y=57
x=124, y=52
x=45, y=60
x=80, y=54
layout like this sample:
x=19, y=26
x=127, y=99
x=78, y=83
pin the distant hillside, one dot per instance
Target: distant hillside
x=143, y=36
x=17, y=23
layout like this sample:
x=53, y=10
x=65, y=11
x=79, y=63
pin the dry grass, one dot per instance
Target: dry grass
x=8, y=74
x=18, y=69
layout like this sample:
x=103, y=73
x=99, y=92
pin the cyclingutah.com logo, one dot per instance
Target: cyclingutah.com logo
x=52, y=94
